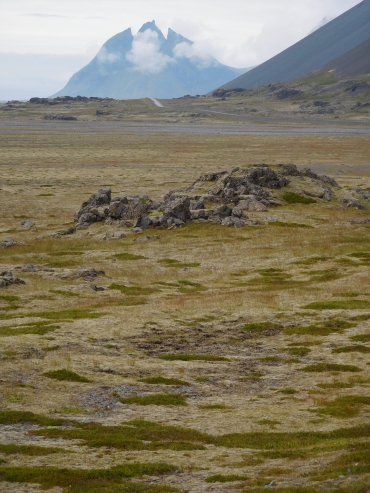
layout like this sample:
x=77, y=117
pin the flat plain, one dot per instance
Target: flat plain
x=216, y=359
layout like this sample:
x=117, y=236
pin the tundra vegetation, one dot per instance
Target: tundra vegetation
x=225, y=352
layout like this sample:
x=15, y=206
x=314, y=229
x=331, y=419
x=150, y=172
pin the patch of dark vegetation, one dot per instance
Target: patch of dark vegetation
x=324, y=328
x=298, y=351
x=214, y=407
x=339, y=305
x=156, y=400
x=32, y=450
x=68, y=294
x=192, y=357
x=164, y=381
x=129, y=256
x=293, y=198
x=361, y=337
x=66, y=315
x=290, y=225
x=34, y=328
x=133, y=435
x=260, y=328
x=134, y=290
x=347, y=406
x=66, y=375
x=324, y=367
x=219, y=478
x=91, y=480
x=169, y=262
x=358, y=348
x=16, y=417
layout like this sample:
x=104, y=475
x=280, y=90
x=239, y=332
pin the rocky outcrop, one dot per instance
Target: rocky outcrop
x=226, y=198
x=7, y=279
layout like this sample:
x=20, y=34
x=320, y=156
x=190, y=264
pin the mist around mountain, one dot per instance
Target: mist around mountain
x=149, y=65
x=323, y=46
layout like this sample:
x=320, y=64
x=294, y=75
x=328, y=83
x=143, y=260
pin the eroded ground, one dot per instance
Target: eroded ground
x=215, y=359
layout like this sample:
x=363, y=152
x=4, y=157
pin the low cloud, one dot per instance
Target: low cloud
x=145, y=54
x=105, y=57
x=194, y=52
x=48, y=16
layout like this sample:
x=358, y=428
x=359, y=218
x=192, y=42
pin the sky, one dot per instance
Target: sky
x=44, y=42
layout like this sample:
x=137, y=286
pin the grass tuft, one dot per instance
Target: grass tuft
x=192, y=357
x=129, y=256
x=219, y=478
x=164, y=381
x=66, y=375
x=156, y=400
x=339, y=305
x=358, y=348
x=293, y=198
x=324, y=367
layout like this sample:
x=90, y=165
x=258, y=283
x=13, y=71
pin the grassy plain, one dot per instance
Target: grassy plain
x=216, y=359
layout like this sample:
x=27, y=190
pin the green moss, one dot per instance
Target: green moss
x=156, y=400
x=133, y=290
x=339, y=305
x=352, y=349
x=192, y=357
x=298, y=351
x=347, y=406
x=34, y=328
x=289, y=225
x=16, y=417
x=68, y=294
x=65, y=375
x=164, y=381
x=324, y=328
x=66, y=315
x=361, y=337
x=261, y=327
x=293, y=198
x=133, y=435
x=9, y=298
x=32, y=450
x=288, y=391
x=91, y=480
x=129, y=256
x=219, y=478
x=169, y=262
x=324, y=367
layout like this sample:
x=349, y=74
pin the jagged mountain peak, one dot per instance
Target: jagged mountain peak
x=149, y=65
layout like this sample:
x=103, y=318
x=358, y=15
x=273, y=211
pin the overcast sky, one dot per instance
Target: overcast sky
x=240, y=33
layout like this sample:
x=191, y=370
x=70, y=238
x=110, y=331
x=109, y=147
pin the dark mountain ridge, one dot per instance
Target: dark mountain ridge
x=333, y=40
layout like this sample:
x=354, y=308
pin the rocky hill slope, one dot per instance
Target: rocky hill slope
x=148, y=65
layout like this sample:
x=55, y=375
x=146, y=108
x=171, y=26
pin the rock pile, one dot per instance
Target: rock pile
x=7, y=279
x=225, y=198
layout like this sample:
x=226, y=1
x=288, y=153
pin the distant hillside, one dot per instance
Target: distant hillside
x=149, y=65
x=352, y=64
x=338, y=37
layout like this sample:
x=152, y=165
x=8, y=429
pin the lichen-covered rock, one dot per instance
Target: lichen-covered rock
x=7, y=279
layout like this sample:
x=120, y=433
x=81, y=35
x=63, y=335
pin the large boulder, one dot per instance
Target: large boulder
x=95, y=209
x=251, y=204
x=179, y=210
x=266, y=177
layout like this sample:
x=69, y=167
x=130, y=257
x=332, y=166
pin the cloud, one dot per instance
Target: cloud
x=145, y=54
x=47, y=15
x=195, y=52
x=105, y=57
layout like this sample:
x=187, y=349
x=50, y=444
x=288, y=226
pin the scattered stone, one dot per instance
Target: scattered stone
x=361, y=220
x=9, y=242
x=87, y=274
x=352, y=203
x=27, y=224
x=96, y=288
x=137, y=230
x=7, y=279
x=148, y=238
x=60, y=234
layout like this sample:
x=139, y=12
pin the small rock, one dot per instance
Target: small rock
x=27, y=224
x=9, y=242
x=96, y=288
x=137, y=230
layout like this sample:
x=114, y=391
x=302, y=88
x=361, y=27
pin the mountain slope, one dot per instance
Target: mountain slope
x=352, y=64
x=331, y=41
x=148, y=65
